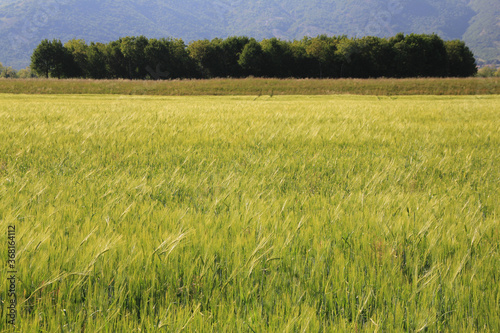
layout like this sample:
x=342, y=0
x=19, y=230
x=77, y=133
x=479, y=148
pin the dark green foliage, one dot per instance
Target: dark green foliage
x=79, y=50
x=320, y=57
x=182, y=65
x=134, y=58
x=96, y=61
x=321, y=50
x=203, y=54
x=52, y=59
x=219, y=57
x=278, y=58
x=229, y=51
x=461, y=61
x=115, y=59
x=168, y=58
x=419, y=56
x=304, y=65
x=349, y=54
x=377, y=56
x=252, y=58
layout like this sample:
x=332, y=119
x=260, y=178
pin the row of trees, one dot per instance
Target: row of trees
x=9, y=72
x=489, y=71
x=415, y=55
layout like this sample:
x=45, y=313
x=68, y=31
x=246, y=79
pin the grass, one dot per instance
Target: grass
x=283, y=214
x=256, y=87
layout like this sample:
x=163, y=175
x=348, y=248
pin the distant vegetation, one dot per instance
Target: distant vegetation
x=321, y=57
x=9, y=72
x=489, y=71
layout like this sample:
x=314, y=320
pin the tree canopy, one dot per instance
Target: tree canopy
x=414, y=55
x=51, y=58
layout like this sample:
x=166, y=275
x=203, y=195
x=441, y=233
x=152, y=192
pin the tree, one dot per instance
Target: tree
x=79, y=50
x=96, y=62
x=252, y=58
x=203, y=54
x=183, y=66
x=218, y=57
x=51, y=58
x=159, y=56
x=7, y=72
x=322, y=56
x=419, y=55
x=304, y=66
x=115, y=61
x=461, y=62
x=278, y=58
x=230, y=50
x=26, y=73
x=42, y=59
x=373, y=58
x=348, y=53
x=132, y=49
x=169, y=58
x=487, y=71
x=322, y=50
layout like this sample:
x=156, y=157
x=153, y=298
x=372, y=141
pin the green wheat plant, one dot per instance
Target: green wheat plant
x=236, y=214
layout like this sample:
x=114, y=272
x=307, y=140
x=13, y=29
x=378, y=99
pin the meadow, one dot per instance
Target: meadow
x=257, y=86
x=245, y=214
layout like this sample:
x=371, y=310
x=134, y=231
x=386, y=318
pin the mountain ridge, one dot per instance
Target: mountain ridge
x=23, y=24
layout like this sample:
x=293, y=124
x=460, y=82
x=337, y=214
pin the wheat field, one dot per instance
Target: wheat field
x=237, y=214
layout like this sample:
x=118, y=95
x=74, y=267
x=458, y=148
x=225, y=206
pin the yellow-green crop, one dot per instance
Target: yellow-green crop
x=236, y=214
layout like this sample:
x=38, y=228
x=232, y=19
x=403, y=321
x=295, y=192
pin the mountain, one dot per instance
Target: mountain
x=23, y=24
